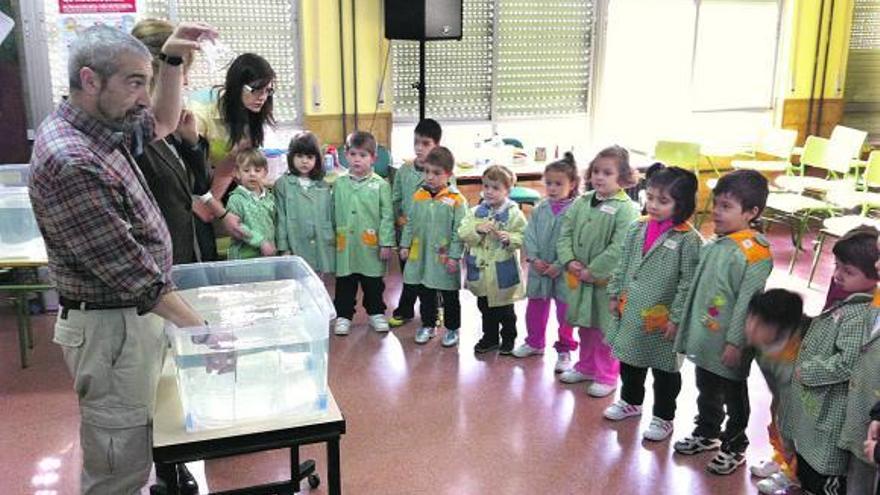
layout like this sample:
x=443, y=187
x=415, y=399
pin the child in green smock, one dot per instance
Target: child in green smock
x=733, y=267
x=432, y=248
x=254, y=205
x=647, y=295
x=304, y=203
x=364, y=234
x=589, y=247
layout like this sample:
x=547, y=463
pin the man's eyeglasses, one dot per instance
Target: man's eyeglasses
x=265, y=90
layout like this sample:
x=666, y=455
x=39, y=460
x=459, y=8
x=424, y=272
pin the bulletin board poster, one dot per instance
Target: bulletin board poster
x=78, y=15
x=97, y=6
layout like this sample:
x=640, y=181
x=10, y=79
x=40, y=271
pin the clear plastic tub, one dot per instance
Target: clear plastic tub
x=267, y=341
x=20, y=236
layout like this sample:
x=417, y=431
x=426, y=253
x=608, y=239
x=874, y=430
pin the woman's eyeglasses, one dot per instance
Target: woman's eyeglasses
x=265, y=90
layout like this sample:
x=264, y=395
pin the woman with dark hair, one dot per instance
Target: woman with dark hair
x=237, y=121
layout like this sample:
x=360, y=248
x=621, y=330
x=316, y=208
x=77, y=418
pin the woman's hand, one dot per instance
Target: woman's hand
x=188, y=128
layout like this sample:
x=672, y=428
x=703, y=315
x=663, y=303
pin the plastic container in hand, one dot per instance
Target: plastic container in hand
x=265, y=354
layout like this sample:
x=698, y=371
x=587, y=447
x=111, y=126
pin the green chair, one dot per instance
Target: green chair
x=525, y=195
x=837, y=227
x=382, y=165
x=678, y=154
x=20, y=293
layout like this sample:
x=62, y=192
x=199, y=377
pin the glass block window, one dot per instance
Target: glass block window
x=516, y=58
x=265, y=27
x=458, y=74
x=543, y=59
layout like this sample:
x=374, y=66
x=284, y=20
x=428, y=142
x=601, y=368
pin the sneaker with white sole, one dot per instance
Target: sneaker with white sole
x=379, y=323
x=765, y=469
x=574, y=376
x=621, y=409
x=526, y=350
x=597, y=389
x=563, y=362
x=726, y=462
x=775, y=483
x=342, y=326
x=658, y=430
x=696, y=444
x=424, y=334
x=450, y=338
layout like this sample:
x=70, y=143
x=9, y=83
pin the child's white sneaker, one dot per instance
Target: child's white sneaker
x=658, y=430
x=775, y=483
x=342, y=326
x=597, y=389
x=526, y=350
x=379, y=323
x=563, y=362
x=450, y=338
x=621, y=409
x=765, y=469
x=574, y=376
x=424, y=334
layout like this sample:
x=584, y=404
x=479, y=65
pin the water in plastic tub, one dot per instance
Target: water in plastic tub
x=265, y=353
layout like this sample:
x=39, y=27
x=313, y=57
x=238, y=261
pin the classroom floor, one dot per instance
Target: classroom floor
x=421, y=419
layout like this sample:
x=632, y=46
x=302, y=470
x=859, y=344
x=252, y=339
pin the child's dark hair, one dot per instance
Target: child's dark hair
x=441, y=157
x=429, y=128
x=305, y=143
x=625, y=175
x=253, y=157
x=779, y=307
x=500, y=173
x=361, y=139
x=681, y=185
x=858, y=248
x=748, y=187
x=566, y=165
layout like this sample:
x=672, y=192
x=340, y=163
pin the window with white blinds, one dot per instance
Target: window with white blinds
x=543, y=60
x=265, y=27
x=862, y=91
x=516, y=58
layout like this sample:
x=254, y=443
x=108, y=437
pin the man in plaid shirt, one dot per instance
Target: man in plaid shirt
x=109, y=249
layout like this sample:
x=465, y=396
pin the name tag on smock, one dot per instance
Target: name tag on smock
x=609, y=209
x=671, y=244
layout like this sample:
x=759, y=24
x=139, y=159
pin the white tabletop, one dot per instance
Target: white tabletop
x=168, y=428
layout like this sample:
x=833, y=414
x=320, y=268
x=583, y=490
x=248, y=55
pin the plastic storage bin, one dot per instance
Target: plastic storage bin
x=19, y=235
x=267, y=337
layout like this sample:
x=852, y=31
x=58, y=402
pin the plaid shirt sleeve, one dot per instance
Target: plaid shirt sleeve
x=91, y=212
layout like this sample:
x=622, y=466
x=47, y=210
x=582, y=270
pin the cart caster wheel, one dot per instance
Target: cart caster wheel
x=314, y=481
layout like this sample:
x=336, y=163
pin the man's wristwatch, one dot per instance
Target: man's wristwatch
x=170, y=59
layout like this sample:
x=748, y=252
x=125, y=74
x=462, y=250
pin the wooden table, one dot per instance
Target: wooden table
x=172, y=444
x=21, y=291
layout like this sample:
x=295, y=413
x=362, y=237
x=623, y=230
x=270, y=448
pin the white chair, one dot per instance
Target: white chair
x=771, y=153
